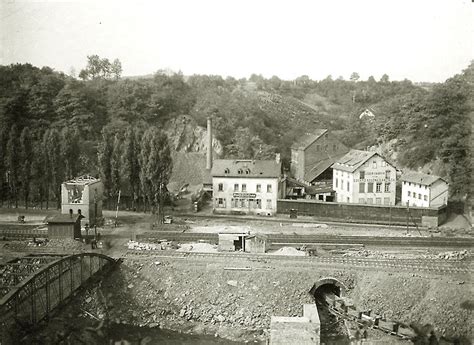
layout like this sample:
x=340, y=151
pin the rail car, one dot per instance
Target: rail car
x=344, y=308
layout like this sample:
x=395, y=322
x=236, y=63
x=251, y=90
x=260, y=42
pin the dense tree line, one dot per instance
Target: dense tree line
x=54, y=126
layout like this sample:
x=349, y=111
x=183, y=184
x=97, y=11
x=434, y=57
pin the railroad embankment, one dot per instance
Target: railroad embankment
x=235, y=299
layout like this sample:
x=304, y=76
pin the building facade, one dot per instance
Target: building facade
x=83, y=195
x=245, y=186
x=364, y=177
x=422, y=190
x=314, y=154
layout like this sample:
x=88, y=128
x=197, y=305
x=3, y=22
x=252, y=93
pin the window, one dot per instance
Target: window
x=236, y=187
x=374, y=164
x=220, y=187
x=378, y=201
x=370, y=187
x=226, y=171
x=370, y=201
x=419, y=196
x=259, y=203
x=386, y=201
x=269, y=204
x=336, y=183
x=387, y=174
x=361, y=201
x=244, y=187
x=414, y=195
x=425, y=197
x=247, y=171
x=348, y=185
x=361, y=187
x=220, y=202
x=243, y=203
x=384, y=163
x=362, y=175
x=387, y=186
x=348, y=199
x=409, y=193
x=259, y=188
x=239, y=171
x=378, y=187
x=234, y=202
x=269, y=188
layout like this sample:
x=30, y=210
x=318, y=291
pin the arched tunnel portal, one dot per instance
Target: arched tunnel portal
x=328, y=284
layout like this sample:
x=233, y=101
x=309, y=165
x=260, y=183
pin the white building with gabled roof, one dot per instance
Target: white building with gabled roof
x=243, y=186
x=423, y=190
x=364, y=177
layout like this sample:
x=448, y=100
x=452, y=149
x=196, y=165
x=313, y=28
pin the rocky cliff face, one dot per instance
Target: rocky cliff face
x=185, y=135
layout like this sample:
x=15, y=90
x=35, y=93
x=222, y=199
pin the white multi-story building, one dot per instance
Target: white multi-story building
x=245, y=186
x=365, y=178
x=424, y=190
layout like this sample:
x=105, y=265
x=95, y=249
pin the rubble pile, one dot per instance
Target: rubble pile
x=455, y=255
x=134, y=245
x=364, y=253
x=198, y=247
x=288, y=251
x=65, y=243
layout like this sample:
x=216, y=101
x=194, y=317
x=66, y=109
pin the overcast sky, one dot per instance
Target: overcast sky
x=422, y=40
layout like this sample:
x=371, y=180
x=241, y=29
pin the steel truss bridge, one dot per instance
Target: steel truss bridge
x=32, y=286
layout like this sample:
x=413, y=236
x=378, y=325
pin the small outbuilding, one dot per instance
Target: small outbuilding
x=65, y=226
x=256, y=243
x=232, y=241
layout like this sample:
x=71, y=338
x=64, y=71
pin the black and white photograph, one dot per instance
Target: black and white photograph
x=267, y=172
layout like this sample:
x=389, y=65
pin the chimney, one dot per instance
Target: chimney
x=209, y=144
x=277, y=158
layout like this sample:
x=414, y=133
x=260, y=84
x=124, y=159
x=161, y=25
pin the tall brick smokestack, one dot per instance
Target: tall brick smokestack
x=209, y=144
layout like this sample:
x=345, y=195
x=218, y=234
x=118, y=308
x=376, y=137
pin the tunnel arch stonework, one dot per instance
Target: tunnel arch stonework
x=332, y=281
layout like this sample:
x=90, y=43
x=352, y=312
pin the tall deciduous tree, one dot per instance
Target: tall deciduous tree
x=104, y=152
x=26, y=156
x=70, y=151
x=155, y=167
x=13, y=164
x=115, y=166
x=130, y=165
x=56, y=165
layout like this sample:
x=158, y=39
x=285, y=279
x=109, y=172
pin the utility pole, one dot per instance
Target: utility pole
x=95, y=214
x=408, y=214
x=116, y=212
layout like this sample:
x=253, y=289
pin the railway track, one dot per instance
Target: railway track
x=413, y=265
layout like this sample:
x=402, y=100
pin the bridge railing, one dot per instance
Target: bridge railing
x=35, y=297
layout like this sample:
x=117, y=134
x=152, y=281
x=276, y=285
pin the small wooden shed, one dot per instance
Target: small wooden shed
x=256, y=243
x=232, y=241
x=65, y=226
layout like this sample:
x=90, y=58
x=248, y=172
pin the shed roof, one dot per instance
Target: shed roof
x=307, y=139
x=64, y=219
x=313, y=171
x=353, y=160
x=420, y=178
x=245, y=168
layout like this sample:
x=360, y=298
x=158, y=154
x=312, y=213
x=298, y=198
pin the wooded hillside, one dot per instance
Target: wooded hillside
x=54, y=126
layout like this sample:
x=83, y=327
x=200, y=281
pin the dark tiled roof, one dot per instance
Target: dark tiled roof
x=248, y=168
x=353, y=160
x=308, y=139
x=64, y=218
x=190, y=168
x=317, y=169
x=420, y=178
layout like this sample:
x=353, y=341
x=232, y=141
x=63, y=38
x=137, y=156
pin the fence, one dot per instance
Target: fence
x=360, y=213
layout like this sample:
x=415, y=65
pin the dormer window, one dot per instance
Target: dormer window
x=247, y=171
x=226, y=171
x=239, y=172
